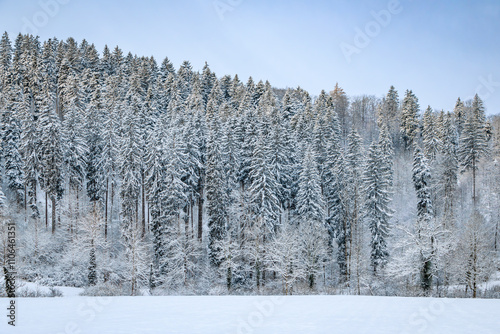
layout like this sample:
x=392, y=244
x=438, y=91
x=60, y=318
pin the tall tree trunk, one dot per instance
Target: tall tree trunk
x=200, y=210
x=111, y=204
x=106, y=211
x=25, y=204
x=46, y=211
x=143, y=207
x=53, y=200
x=474, y=183
x=191, y=214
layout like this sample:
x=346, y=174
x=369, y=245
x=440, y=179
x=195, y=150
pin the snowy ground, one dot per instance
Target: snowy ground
x=266, y=315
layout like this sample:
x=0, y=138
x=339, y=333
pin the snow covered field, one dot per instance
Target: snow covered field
x=264, y=314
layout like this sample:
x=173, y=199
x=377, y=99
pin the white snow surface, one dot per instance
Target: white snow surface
x=249, y=314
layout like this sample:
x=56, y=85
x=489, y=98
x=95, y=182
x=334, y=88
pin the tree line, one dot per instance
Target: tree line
x=123, y=174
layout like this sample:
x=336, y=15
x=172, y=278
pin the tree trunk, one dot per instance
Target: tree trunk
x=25, y=204
x=46, y=211
x=474, y=183
x=106, y=211
x=53, y=200
x=143, y=207
x=200, y=211
x=111, y=204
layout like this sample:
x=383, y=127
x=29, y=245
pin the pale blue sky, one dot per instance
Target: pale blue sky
x=439, y=49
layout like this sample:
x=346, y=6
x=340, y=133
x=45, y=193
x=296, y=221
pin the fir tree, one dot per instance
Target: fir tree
x=92, y=276
x=377, y=210
x=409, y=119
x=473, y=142
x=421, y=181
x=216, y=195
x=431, y=140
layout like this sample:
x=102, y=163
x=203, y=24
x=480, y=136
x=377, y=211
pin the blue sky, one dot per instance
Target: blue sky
x=439, y=49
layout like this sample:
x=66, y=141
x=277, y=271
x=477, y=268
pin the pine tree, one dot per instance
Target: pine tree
x=377, y=210
x=216, y=194
x=421, y=181
x=310, y=205
x=11, y=140
x=387, y=153
x=431, y=140
x=264, y=189
x=409, y=119
x=5, y=60
x=388, y=113
x=448, y=167
x=473, y=142
x=460, y=116
x=52, y=155
x=92, y=276
x=94, y=141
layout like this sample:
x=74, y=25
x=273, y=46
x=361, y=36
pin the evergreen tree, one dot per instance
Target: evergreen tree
x=389, y=114
x=460, y=116
x=11, y=140
x=310, y=205
x=377, y=210
x=216, y=194
x=473, y=142
x=431, y=140
x=448, y=167
x=92, y=276
x=409, y=119
x=52, y=155
x=421, y=181
x=264, y=189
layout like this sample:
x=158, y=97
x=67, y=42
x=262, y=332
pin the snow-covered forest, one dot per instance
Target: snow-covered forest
x=124, y=175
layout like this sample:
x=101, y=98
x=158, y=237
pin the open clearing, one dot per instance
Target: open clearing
x=250, y=314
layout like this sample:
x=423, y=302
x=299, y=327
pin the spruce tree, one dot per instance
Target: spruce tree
x=409, y=119
x=92, y=275
x=377, y=210
x=473, y=142
x=216, y=194
x=430, y=134
x=421, y=181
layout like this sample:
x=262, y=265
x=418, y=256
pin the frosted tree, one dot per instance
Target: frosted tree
x=313, y=250
x=473, y=142
x=11, y=140
x=430, y=135
x=377, y=210
x=421, y=181
x=136, y=259
x=230, y=257
x=216, y=194
x=388, y=113
x=283, y=256
x=448, y=172
x=129, y=168
x=264, y=189
x=74, y=141
x=341, y=105
x=387, y=153
x=475, y=252
x=310, y=205
x=460, y=116
x=409, y=119
x=93, y=131
x=5, y=59
x=52, y=157
x=171, y=243
x=420, y=251
x=110, y=141
x=354, y=160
